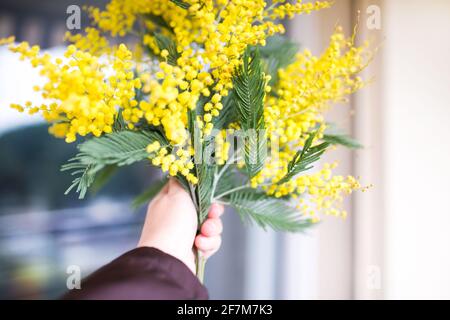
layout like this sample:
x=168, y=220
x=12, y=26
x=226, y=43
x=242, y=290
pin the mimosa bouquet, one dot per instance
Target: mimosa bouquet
x=210, y=92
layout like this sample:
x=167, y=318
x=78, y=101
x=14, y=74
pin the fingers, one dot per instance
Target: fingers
x=211, y=227
x=215, y=211
x=208, y=245
x=209, y=239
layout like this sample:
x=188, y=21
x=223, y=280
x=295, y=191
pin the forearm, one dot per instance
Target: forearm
x=143, y=273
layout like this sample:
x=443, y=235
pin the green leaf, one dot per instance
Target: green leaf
x=103, y=177
x=201, y=193
x=267, y=212
x=120, y=148
x=86, y=177
x=117, y=148
x=204, y=188
x=119, y=122
x=336, y=136
x=181, y=4
x=278, y=53
x=228, y=180
x=159, y=21
x=166, y=43
x=249, y=87
x=343, y=140
x=304, y=158
x=148, y=194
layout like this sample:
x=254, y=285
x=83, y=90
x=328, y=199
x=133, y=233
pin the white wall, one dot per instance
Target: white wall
x=416, y=154
x=397, y=244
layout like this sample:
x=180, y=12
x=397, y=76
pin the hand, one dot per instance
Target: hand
x=171, y=226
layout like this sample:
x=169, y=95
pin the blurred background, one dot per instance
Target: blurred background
x=395, y=244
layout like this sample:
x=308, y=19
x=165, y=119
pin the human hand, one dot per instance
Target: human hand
x=171, y=226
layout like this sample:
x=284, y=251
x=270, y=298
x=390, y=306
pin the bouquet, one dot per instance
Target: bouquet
x=213, y=94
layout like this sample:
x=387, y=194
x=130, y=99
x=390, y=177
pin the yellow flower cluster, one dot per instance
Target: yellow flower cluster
x=282, y=9
x=167, y=105
x=222, y=147
x=308, y=86
x=83, y=100
x=120, y=16
x=8, y=40
x=305, y=90
x=87, y=89
x=211, y=34
x=326, y=192
x=178, y=163
x=92, y=41
x=222, y=29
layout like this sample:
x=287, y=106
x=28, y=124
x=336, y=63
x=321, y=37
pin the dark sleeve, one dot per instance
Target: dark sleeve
x=143, y=273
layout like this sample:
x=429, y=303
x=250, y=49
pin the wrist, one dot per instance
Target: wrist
x=185, y=255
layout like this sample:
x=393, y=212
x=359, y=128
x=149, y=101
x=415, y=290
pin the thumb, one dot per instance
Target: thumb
x=174, y=187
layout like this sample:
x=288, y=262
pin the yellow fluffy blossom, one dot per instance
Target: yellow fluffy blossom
x=180, y=72
x=91, y=41
x=289, y=10
x=222, y=29
x=304, y=91
x=222, y=147
x=8, y=40
x=325, y=191
x=81, y=99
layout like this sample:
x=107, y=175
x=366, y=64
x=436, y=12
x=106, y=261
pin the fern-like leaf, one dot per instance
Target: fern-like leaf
x=204, y=189
x=249, y=88
x=334, y=135
x=205, y=174
x=166, y=43
x=267, y=212
x=304, y=158
x=120, y=148
x=229, y=179
x=159, y=21
x=278, y=53
x=343, y=140
x=117, y=148
x=86, y=172
x=119, y=122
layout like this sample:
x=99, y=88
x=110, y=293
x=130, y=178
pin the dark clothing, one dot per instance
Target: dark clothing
x=143, y=273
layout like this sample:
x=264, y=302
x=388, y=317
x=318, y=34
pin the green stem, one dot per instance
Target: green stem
x=245, y=186
x=200, y=266
x=232, y=190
